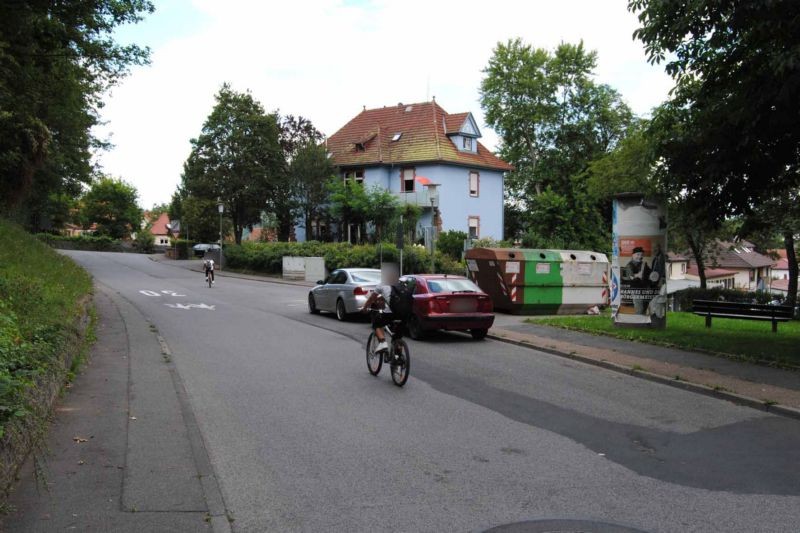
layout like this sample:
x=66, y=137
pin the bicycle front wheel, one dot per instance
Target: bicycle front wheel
x=401, y=365
x=374, y=359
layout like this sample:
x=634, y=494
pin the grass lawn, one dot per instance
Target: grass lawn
x=748, y=339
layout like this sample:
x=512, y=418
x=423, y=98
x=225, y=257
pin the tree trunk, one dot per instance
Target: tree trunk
x=697, y=252
x=791, y=257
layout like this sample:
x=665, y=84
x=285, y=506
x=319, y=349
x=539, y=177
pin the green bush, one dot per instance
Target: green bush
x=684, y=298
x=184, y=248
x=39, y=294
x=451, y=243
x=268, y=257
x=145, y=242
x=82, y=242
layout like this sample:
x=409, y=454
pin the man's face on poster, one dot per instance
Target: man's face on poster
x=637, y=257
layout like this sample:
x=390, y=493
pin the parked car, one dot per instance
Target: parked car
x=201, y=249
x=449, y=303
x=344, y=291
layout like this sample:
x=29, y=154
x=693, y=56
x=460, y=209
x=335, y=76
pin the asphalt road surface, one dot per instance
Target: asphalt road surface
x=484, y=434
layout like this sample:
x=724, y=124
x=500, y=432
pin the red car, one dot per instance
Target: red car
x=451, y=303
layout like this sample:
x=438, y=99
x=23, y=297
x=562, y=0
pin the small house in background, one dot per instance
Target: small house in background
x=715, y=277
x=426, y=157
x=160, y=228
x=781, y=268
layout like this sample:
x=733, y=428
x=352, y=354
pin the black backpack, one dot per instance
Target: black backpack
x=401, y=300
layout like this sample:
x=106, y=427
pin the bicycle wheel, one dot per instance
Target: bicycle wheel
x=401, y=366
x=210, y=281
x=374, y=360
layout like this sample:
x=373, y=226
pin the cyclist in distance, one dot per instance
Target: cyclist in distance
x=208, y=267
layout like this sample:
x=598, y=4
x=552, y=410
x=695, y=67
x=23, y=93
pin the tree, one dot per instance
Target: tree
x=380, y=209
x=310, y=169
x=56, y=60
x=298, y=138
x=736, y=67
x=111, y=204
x=553, y=120
x=348, y=203
x=237, y=158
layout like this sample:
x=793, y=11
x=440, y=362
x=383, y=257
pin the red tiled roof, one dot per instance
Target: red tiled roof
x=454, y=122
x=423, y=139
x=160, y=225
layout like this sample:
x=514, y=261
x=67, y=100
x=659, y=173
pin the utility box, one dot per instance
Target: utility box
x=540, y=282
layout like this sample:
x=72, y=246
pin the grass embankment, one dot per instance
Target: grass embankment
x=40, y=301
x=747, y=339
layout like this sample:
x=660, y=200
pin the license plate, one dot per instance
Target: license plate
x=463, y=305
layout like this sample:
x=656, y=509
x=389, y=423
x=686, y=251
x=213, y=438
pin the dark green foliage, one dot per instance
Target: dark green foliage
x=111, y=204
x=238, y=159
x=732, y=127
x=39, y=294
x=267, y=258
x=101, y=243
x=553, y=121
x=685, y=297
x=56, y=61
x=451, y=243
x=145, y=242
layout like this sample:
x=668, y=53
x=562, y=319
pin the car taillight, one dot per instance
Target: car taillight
x=360, y=291
x=484, y=304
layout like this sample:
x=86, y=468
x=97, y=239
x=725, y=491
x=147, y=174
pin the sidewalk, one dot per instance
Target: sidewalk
x=770, y=389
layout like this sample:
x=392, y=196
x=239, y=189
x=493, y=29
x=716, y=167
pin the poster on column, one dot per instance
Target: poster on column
x=638, y=266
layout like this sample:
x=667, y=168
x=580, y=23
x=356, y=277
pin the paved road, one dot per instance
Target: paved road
x=484, y=434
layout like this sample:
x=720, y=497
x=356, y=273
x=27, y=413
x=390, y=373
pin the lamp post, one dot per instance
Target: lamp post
x=220, y=208
x=433, y=197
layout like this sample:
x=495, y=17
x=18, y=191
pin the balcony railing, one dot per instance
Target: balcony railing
x=418, y=198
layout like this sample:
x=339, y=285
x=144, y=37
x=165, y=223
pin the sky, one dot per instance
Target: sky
x=327, y=59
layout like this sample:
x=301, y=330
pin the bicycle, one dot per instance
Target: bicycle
x=398, y=356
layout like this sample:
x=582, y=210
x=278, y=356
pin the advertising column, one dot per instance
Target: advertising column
x=638, y=265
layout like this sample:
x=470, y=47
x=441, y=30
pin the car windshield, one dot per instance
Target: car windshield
x=365, y=276
x=451, y=285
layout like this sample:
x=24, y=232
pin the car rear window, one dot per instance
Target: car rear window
x=365, y=276
x=452, y=285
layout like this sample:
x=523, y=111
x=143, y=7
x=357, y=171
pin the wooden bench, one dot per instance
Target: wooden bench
x=773, y=313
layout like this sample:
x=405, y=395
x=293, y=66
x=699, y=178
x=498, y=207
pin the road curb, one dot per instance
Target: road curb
x=228, y=274
x=705, y=390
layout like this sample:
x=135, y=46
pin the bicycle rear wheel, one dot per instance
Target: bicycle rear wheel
x=374, y=359
x=210, y=281
x=401, y=365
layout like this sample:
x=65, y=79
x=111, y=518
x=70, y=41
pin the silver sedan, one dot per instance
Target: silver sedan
x=344, y=291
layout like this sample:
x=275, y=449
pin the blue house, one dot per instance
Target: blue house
x=423, y=154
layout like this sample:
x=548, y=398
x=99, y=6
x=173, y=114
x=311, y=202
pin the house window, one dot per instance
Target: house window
x=474, y=227
x=356, y=176
x=407, y=180
x=467, y=143
x=683, y=268
x=474, y=183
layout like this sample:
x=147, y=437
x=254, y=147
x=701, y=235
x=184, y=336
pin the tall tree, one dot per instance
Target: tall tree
x=237, y=158
x=736, y=67
x=111, y=204
x=310, y=169
x=56, y=60
x=553, y=120
x=287, y=200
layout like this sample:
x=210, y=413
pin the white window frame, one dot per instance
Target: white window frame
x=356, y=175
x=477, y=191
x=467, y=143
x=404, y=179
x=477, y=226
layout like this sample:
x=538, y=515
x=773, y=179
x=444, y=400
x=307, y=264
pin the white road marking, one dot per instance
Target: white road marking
x=191, y=306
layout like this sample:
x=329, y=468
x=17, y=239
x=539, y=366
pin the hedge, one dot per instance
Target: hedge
x=267, y=257
x=683, y=299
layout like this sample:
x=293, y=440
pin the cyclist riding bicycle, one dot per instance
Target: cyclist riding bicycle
x=388, y=303
x=208, y=267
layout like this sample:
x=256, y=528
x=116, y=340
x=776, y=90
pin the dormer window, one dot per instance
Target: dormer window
x=467, y=145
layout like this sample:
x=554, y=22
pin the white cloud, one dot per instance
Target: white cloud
x=326, y=59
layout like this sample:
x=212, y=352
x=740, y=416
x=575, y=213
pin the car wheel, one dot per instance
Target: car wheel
x=479, y=334
x=312, y=305
x=341, y=311
x=415, y=330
